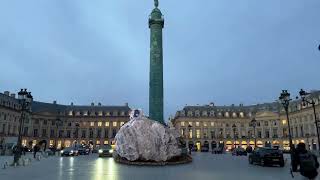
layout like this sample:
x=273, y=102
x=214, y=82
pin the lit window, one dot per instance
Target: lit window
x=105, y=142
x=284, y=122
x=205, y=124
x=190, y=133
x=98, y=142
x=85, y=113
x=91, y=123
x=106, y=124
x=241, y=114
x=190, y=123
x=234, y=114
x=99, y=124
x=182, y=123
x=121, y=123
x=108, y=113
x=198, y=133
x=70, y=113
x=197, y=123
x=100, y=113
x=227, y=114
x=114, y=124
x=212, y=123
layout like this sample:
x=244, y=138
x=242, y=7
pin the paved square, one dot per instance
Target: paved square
x=204, y=166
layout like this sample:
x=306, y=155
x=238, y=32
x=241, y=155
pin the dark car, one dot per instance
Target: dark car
x=204, y=149
x=105, y=151
x=239, y=152
x=267, y=156
x=83, y=151
x=218, y=150
x=69, y=152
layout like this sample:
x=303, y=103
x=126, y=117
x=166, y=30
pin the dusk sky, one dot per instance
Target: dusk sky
x=221, y=51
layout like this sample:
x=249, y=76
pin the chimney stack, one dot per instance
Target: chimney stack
x=99, y=104
x=71, y=103
x=54, y=102
x=7, y=93
x=92, y=104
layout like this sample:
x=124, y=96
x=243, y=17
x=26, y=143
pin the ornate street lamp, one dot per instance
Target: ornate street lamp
x=234, y=127
x=253, y=123
x=303, y=94
x=285, y=100
x=25, y=99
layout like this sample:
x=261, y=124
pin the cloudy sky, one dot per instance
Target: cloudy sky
x=222, y=51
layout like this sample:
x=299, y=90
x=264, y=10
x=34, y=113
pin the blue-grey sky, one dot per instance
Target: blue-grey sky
x=222, y=51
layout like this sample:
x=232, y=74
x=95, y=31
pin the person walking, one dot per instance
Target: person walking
x=307, y=162
x=35, y=150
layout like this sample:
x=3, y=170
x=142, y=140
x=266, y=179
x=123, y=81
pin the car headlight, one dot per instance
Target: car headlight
x=61, y=151
x=111, y=151
x=100, y=151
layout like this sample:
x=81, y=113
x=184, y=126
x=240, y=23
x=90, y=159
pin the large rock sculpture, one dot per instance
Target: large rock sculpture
x=142, y=139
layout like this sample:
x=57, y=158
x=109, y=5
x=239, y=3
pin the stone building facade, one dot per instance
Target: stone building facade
x=211, y=125
x=61, y=125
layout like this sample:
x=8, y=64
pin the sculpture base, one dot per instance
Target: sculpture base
x=174, y=161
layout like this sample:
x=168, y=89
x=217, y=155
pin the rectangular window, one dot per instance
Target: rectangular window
x=60, y=133
x=99, y=124
x=107, y=124
x=182, y=123
x=91, y=134
x=35, y=133
x=212, y=124
x=106, y=133
x=105, y=142
x=182, y=132
x=190, y=133
x=121, y=123
x=91, y=123
x=25, y=131
x=114, y=124
x=198, y=133
x=205, y=124
x=98, y=142
x=83, y=134
x=52, y=133
x=68, y=133
x=44, y=133
x=114, y=133
x=99, y=133
x=197, y=124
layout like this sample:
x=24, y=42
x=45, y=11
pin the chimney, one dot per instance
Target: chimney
x=71, y=103
x=54, y=102
x=7, y=93
x=92, y=104
x=13, y=95
x=99, y=104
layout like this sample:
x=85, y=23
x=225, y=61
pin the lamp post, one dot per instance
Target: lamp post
x=58, y=124
x=285, y=100
x=307, y=136
x=25, y=99
x=234, y=135
x=254, y=124
x=189, y=130
x=303, y=94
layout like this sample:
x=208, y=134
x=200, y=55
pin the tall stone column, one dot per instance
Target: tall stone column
x=156, y=23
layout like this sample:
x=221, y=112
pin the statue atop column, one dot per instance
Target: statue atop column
x=156, y=3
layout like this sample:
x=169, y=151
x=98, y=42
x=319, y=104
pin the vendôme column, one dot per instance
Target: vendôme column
x=156, y=23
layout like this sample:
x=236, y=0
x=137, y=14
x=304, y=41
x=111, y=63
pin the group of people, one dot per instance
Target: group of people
x=305, y=162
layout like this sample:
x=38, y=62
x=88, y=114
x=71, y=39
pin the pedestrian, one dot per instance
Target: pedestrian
x=307, y=162
x=35, y=150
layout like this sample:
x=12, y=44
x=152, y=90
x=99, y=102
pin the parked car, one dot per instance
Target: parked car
x=105, y=151
x=239, y=152
x=218, y=150
x=69, y=152
x=267, y=156
x=83, y=151
x=204, y=148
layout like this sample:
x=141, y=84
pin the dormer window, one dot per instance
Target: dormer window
x=182, y=113
x=190, y=113
x=197, y=113
x=211, y=113
x=100, y=113
x=108, y=113
x=85, y=113
x=204, y=113
x=234, y=114
x=122, y=113
x=227, y=114
x=70, y=113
